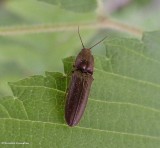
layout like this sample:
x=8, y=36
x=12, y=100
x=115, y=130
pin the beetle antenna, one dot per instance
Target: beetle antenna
x=99, y=42
x=80, y=37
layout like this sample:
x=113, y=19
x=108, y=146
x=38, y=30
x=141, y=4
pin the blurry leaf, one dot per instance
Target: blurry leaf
x=74, y=5
x=141, y=14
x=142, y=2
x=37, y=52
x=8, y=17
x=123, y=109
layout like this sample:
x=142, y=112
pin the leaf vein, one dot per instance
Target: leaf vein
x=137, y=53
x=92, y=129
x=130, y=78
x=149, y=108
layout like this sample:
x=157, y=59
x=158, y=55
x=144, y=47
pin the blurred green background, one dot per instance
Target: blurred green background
x=23, y=55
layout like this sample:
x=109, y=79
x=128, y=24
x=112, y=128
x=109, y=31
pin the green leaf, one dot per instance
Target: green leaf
x=74, y=5
x=45, y=50
x=123, y=109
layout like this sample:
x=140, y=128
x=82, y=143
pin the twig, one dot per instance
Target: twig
x=46, y=28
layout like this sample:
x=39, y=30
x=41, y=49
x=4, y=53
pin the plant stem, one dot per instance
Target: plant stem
x=45, y=28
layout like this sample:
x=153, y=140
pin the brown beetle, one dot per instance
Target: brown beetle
x=80, y=85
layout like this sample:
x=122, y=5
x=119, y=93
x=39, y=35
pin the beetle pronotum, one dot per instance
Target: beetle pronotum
x=80, y=85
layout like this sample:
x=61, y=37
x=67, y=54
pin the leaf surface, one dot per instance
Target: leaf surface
x=123, y=109
x=74, y=5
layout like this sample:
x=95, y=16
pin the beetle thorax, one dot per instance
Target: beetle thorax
x=84, y=61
